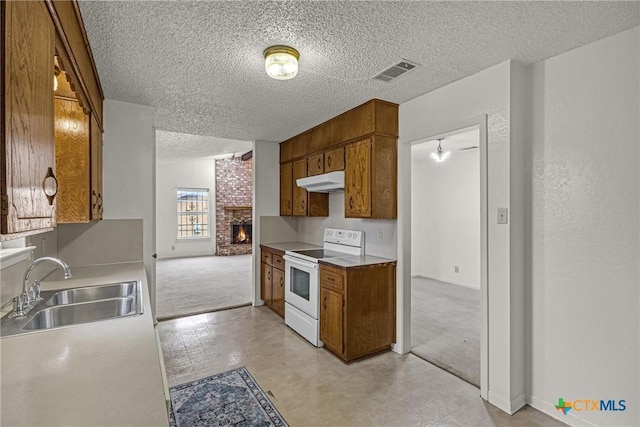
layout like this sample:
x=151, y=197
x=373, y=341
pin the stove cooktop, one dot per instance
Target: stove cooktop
x=321, y=253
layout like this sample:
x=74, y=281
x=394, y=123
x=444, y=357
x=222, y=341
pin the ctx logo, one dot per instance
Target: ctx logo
x=590, y=405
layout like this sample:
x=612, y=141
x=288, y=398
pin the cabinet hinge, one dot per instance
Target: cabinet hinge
x=5, y=205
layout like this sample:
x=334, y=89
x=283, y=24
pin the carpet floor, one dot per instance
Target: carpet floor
x=196, y=285
x=232, y=398
x=445, y=327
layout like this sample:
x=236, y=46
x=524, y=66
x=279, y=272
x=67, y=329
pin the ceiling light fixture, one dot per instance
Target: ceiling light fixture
x=439, y=155
x=281, y=62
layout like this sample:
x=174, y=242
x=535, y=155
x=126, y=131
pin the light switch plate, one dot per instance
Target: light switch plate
x=503, y=215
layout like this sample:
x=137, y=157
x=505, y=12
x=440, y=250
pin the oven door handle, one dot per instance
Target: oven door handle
x=300, y=262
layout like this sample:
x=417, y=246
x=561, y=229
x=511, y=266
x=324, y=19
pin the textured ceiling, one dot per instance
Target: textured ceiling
x=178, y=147
x=460, y=141
x=201, y=65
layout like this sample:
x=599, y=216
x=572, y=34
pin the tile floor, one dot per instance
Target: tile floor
x=311, y=387
x=213, y=282
x=445, y=326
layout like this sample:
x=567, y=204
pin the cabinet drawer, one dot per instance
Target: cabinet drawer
x=334, y=160
x=332, y=279
x=277, y=261
x=267, y=257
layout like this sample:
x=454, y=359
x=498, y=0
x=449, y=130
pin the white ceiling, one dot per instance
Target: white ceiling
x=201, y=65
x=457, y=142
x=178, y=147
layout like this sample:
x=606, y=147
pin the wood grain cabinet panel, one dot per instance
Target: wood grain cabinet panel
x=27, y=142
x=272, y=279
x=299, y=194
x=286, y=189
x=278, y=290
x=97, y=206
x=73, y=160
x=315, y=164
x=357, y=309
x=332, y=320
x=334, y=160
x=357, y=179
x=371, y=178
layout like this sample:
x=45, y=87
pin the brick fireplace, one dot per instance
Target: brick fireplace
x=234, y=196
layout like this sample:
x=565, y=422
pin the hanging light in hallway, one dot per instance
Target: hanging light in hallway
x=439, y=155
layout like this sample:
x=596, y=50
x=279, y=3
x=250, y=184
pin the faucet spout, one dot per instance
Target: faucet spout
x=65, y=267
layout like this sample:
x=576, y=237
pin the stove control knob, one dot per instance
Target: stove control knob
x=350, y=235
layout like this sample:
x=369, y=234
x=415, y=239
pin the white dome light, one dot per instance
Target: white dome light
x=281, y=62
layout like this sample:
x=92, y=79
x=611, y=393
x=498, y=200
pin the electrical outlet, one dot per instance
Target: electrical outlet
x=456, y=269
x=173, y=248
x=503, y=215
x=380, y=235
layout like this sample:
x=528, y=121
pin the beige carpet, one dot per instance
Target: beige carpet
x=200, y=284
x=445, y=327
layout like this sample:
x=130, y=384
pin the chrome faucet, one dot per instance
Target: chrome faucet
x=31, y=295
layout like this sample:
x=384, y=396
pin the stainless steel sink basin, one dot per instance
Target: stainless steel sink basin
x=72, y=314
x=93, y=293
x=76, y=306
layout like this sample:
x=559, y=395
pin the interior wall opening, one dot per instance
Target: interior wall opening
x=446, y=252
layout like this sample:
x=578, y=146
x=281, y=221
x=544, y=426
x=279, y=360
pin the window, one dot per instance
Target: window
x=193, y=213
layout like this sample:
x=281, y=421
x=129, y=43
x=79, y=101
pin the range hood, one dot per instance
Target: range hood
x=324, y=183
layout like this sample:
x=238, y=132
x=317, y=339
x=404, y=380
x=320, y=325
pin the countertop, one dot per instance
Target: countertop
x=291, y=246
x=344, y=262
x=94, y=374
x=355, y=261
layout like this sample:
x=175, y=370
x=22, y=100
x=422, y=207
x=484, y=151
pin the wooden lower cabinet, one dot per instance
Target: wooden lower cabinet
x=357, y=309
x=272, y=279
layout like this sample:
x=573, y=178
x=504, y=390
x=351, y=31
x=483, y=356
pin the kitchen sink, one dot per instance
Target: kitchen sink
x=93, y=293
x=72, y=314
x=74, y=306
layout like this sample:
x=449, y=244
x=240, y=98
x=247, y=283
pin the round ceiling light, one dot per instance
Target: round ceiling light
x=281, y=62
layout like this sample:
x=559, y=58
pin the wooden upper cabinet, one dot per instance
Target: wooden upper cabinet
x=73, y=159
x=286, y=189
x=357, y=179
x=299, y=194
x=315, y=164
x=27, y=142
x=371, y=178
x=334, y=160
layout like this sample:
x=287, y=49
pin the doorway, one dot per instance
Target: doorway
x=204, y=196
x=446, y=252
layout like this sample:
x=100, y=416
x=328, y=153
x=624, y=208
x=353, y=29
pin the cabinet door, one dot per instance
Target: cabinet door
x=278, y=291
x=72, y=161
x=334, y=160
x=28, y=160
x=286, y=189
x=331, y=320
x=299, y=194
x=266, y=291
x=315, y=164
x=96, y=170
x=357, y=179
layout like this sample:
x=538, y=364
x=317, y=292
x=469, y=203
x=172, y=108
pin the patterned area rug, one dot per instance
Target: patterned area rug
x=232, y=398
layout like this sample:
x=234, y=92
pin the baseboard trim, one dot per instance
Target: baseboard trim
x=550, y=409
x=453, y=282
x=509, y=406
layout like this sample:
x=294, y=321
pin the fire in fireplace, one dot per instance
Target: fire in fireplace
x=241, y=233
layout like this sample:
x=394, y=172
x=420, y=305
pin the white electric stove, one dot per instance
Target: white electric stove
x=302, y=276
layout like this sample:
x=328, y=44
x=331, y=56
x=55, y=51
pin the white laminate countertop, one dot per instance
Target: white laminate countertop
x=356, y=261
x=291, y=246
x=95, y=374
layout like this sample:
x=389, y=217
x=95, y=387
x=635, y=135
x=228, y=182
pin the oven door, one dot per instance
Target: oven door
x=301, y=285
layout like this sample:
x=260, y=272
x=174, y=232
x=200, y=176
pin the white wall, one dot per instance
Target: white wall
x=310, y=230
x=169, y=177
x=448, y=108
x=129, y=172
x=266, y=200
x=584, y=232
x=445, y=217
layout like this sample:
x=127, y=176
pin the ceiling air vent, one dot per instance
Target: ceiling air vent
x=395, y=70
